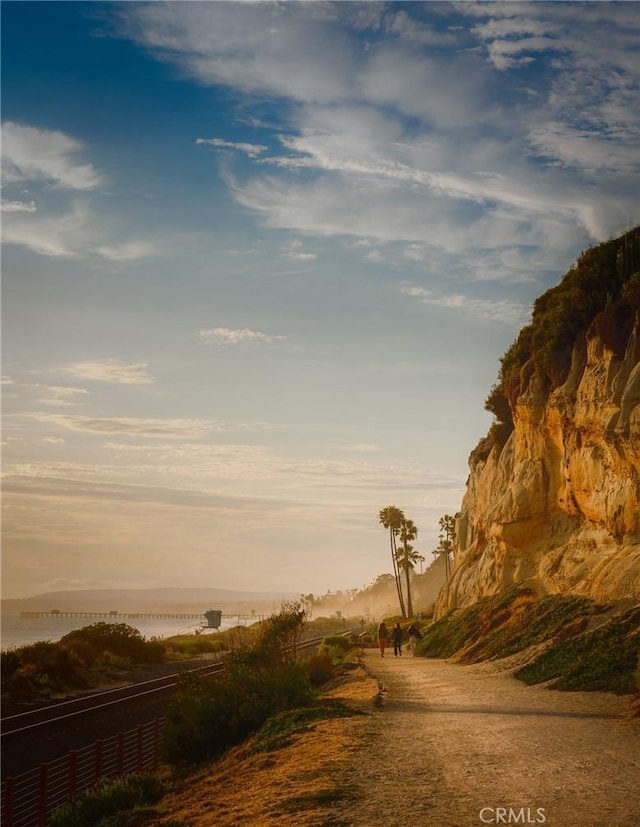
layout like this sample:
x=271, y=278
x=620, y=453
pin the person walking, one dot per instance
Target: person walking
x=397, y=640
x=414, y=637
x=383, y=637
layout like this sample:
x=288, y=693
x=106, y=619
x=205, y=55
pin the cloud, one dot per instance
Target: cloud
x=435, y=132
x=63, y=235
x=236, y=336
x=73, y=231
x=294, y=251
x=112, y=370
x=295, y=51
x=364, y=448
x=32, y=154
x=18, y=206
x=132, y=426
x=495, y=310
x=252, y=150
x=130, y=250
x=566, y=146
x=59, y=396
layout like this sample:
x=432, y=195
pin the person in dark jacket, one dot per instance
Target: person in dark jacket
x=397, y=640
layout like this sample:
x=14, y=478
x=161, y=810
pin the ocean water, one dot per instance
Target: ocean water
x=20, y=631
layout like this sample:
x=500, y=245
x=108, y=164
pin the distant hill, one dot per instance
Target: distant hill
x=158, y=600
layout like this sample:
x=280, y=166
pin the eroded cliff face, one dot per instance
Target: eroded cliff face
x=558, y=505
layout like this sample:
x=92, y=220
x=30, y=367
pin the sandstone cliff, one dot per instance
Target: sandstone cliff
x=553, y=496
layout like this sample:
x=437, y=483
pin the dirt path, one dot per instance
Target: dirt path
x=451, y=744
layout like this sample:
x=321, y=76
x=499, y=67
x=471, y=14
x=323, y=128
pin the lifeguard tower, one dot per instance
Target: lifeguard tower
x=214, y=618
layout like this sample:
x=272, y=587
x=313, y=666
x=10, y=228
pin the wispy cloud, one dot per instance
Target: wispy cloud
x=389, y=143
x=112, y=370
x=236, y=336
x=133, y=426
x=130, y=250
x=66, y=234
x=32, y=154
x=18, y=206
x=495, y=310
x=72, y=231
x=361, y=448
x=60, y=396
x=252, y=150
x=294, y=251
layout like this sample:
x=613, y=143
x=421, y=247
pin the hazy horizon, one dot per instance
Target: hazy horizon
x=261, y=261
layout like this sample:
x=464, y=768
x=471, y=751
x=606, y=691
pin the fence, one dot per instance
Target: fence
x=29, y=799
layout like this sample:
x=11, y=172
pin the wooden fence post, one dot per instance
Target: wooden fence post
x=139, y=734
x=8, y=802
x=156, y=743
x=120, y=755
x=97, y=772
x=73, y=774
x=42, y=794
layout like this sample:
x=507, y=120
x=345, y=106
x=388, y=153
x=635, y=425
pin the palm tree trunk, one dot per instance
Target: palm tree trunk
x=394, y=559
x=406, y=574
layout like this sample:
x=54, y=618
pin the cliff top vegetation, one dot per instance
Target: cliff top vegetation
x=600, y=292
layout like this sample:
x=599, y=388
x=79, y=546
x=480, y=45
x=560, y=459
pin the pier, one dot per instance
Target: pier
x=118, y=615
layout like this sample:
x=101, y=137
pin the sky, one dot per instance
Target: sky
x=260, y=263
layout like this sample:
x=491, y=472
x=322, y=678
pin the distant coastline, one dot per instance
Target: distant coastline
x=162, y=600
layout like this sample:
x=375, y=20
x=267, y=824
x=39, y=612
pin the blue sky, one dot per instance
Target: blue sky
x=260, y=262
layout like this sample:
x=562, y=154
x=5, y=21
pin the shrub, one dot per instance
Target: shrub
x=605, y=659
x=196, y=644
x=320, y=668
x=336, y=647
x=110, y=798
x=339, y=642
x=9, y=663
x=45, y=664
x=118, y=638
x=207, y=717
x=602, y=290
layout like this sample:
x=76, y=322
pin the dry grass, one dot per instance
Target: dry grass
x=297, y=786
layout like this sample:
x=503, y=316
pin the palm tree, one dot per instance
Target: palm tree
x=392, y=518
x=408, y=532
x=446, y=537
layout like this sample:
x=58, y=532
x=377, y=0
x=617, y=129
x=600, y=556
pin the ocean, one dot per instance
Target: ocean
x=20, y=631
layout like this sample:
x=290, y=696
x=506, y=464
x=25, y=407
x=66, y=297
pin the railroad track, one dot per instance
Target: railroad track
x=43, y=734
x=64, y=710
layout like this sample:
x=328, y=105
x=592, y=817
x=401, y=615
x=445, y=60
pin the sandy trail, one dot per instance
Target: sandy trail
x=451, y=744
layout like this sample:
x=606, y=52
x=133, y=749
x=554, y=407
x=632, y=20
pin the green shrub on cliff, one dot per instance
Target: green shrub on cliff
x=605, y=659
x=602, y=289
x=575, y=658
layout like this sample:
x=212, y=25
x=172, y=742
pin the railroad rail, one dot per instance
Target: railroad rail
x=28, y=799
x=63, y=710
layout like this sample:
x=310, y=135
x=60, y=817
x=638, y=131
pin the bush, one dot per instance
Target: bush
x=336, y=647
x=112, y=797
x=195, y=644
x=118, y=638
x=43, y=664
x=207, y=717
x=605, y=659
x=339, y=642
x=601, y=291
x=320, y=668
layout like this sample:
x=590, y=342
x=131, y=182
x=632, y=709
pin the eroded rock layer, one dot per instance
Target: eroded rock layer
x=558, y=504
